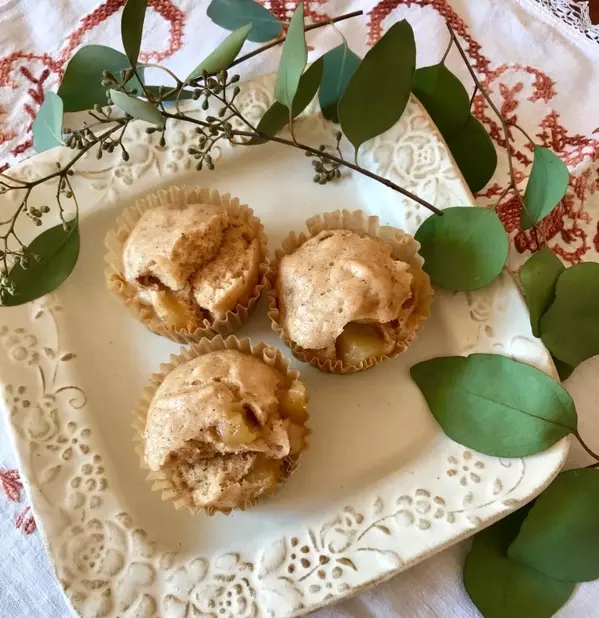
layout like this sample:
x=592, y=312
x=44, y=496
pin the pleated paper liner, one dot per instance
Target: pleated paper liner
x=127, y=293
x=404, y=247
x=161, y=481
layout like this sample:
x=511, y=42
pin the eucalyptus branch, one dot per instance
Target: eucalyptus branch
x=487, y=97
x=315, y=152
x=504, y=126
x=213, y=87
x=346, y=163
x=281, y=40
x=84, y=140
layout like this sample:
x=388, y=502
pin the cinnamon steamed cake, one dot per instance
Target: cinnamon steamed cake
x=192, y=263
x=225, y=428
x=344, y=299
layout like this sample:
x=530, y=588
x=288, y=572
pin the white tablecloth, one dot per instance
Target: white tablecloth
x=542, y=71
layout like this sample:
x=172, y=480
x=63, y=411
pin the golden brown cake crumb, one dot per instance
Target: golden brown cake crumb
x=220, y=424
x=192, y=263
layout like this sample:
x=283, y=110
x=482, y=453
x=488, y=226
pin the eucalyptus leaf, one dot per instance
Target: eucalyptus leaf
x=503, y=588
x=465, y=249
x=293, y=60
x=222, y=57
x=496, y=405
x=58, y=250
x=547, y=185
x=47, y=126
x=232, y=14
x=474, y=153
x=277, y=115
x=142, y=110
x=86, y=67
x=379, y=90
x=340, y=63
x=444, y=98
x=570, y=327
x=538, y=278
x=132, y=25
x=560, y=536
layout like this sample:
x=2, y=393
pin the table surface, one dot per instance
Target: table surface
x=540, y=61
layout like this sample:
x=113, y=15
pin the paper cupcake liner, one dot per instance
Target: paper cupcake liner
x=404, y=247
x=127, y=293
x=161, y=481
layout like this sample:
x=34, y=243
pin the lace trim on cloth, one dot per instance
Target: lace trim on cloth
x=575, y=13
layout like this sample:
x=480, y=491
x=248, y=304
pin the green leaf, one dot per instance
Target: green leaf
x=547, y=185
x=277, y=115
x=496, y=405
x=538, y=278
x=570, y=327
x=444, y=98
x=232, y=14
x=132, y=25
x=58, y=249
x=465, y=249
x=137, y=108
x=340, y=64
x=503, y=588
x=474, y=153
x=560, y=536
x=293, y=60
x=564, y=371
x=379, y=90
x=86, y=67
x=222, y=57
x=47, y=126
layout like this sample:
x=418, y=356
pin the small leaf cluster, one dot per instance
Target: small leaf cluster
x=325, y=170
x=217, y=127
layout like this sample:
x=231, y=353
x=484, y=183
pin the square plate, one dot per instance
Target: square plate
x=380, y=487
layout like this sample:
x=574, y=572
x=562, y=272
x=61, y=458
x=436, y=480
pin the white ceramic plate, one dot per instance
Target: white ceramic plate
x=379, y=489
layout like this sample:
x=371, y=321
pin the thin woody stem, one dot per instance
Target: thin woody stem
x=276, y=42
x=326, y=155
x=504, y=125
x=526, y=135
x=447, y=50
x=586, y=448
x=474, y=93
x=166, y=70
x=505, y=192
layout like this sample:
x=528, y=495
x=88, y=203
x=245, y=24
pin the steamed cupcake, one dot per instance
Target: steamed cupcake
x=188, y=263
x=226, y=427
x=347, y=298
